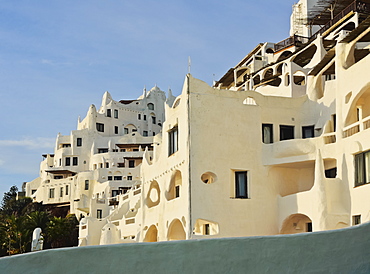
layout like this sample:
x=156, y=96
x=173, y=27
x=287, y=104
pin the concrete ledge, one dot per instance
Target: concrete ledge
x=338, y=251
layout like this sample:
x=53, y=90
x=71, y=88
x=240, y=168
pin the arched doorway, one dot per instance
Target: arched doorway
x=176, y=231
x=152, y=234
x=296, y=223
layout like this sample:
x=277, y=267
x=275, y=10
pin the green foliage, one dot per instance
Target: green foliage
x=18, y=219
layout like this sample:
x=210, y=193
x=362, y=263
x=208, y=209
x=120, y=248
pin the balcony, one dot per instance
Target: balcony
x=355, y=6
x=356, y=127
x=294, y=40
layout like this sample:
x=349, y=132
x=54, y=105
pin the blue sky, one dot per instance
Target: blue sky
x=58, y=57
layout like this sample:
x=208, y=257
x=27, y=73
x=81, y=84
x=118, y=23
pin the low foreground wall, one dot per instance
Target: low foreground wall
x=339, y=251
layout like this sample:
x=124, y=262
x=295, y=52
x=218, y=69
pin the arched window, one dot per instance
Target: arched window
x=150, y=106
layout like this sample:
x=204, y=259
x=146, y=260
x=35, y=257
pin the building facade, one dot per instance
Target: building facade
x=279, y=145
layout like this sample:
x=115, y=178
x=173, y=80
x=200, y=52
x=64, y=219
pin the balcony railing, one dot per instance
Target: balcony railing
x=356, y=127
x=295, y=40
x=355, y=6
x=329, y=138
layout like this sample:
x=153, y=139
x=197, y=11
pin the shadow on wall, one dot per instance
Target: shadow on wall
x=338, y=251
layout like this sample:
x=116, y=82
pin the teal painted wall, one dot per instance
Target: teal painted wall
x=339, y=251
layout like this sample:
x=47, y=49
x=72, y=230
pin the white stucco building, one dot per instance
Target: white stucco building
x=280, y=144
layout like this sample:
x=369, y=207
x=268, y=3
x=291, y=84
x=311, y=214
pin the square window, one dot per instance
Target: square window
x=115, y=193
x=267, y=136
x=241, y=184
x=100, y=127
x=110, y=178
x=129, y=178
x=145, y=133
x=356, y=220
x=286, y=132
x=308, y=132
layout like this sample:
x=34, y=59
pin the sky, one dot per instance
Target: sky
x=59, y=57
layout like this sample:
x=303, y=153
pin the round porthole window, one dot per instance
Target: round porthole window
x=208, y=177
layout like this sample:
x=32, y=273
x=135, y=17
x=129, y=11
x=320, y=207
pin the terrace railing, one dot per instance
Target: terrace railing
x=295, y=40
x=355, y=6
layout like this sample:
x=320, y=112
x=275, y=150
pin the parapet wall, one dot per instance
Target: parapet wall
x=339, y=251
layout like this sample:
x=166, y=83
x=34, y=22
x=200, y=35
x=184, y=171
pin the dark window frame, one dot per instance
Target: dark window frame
x=308, y=129
x=241, y=192
x=173, y=140
x=79, y=142
x=286, y=132
x=362, y=170
x=100, y=127
x=267, y=139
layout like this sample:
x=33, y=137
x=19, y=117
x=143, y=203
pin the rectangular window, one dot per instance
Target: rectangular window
x=61, y=192
x=75, y=161
x=102, y=150
x=145, y=133
x=109, y=113
x=206, y=229
x=100, y=127
x=67, y=190
x=241, y=184
x=120, y=164
x=68, y=161
x=309, y=227
x=177, y=191
x=331, y=173
x=99, y=213
x=362, y=168
x=173, y=140
x=115, y=193
x=267, y=137
x=115, y=130
x=86, y=184
x=116, y=113
x=110, y=178
x=51, y=193
x=308, y=132
x=33, y=191
x=153, y=120
x=79, y=142
x=129, y=178
x=286, y=132
x=58, y=177
x=117, y=178
x=125, y=130
x=356, y=219
x=106, y=165
x=131, y=163
x=144, y=117
x=139, y=116
x=60, y=162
